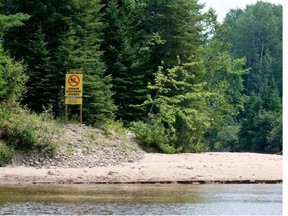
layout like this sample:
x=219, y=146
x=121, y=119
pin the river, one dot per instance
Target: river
x=177, y=199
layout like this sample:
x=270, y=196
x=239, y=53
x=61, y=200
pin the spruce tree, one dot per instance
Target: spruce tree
x=35, y=43
x=39, y=93
x=178, y=22
x=80, y=51
x=127, y=51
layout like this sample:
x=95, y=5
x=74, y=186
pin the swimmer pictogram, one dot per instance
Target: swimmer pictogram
x=74, y=80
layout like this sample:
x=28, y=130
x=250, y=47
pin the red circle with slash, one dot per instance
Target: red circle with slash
x=73, y=80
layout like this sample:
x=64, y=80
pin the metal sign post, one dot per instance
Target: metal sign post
x=74, y=91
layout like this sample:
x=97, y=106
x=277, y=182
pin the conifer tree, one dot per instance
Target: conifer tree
x=127, y=51
x=80, y=50
x=35, y=43
x=178, y=22
x=261, y=125
x=47, y=45
x=39, y=70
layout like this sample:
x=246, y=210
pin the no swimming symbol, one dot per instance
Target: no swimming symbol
x=74, y=80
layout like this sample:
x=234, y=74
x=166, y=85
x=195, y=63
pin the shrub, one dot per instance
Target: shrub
x=25, y=131
x=6, y=154
x=4, y=113
x=12, y=78
x=227, y=138
x=152, y=136
x=111, y=127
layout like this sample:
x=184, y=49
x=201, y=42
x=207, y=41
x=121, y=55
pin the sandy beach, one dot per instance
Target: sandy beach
x=159, y=168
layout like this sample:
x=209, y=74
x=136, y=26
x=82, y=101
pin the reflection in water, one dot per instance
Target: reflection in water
x=142, y=199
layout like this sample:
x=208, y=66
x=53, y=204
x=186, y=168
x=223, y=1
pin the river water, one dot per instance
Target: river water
x=225, y=199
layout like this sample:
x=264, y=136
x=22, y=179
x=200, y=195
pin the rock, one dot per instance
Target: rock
x=50, y=173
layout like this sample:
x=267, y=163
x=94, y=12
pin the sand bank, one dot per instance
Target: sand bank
x=159, y=168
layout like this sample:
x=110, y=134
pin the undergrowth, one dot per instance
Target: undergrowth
x=152, y=137
x=22, y=130
x=6, y=154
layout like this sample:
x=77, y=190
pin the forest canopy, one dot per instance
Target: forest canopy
x=180, y=80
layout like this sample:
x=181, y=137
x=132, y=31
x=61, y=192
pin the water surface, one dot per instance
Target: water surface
x=250, y=199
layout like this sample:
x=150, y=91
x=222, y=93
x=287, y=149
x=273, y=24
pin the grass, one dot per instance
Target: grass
x=23, y=130
x=6, y=153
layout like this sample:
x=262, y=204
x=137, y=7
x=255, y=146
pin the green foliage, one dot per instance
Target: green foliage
x=35, y=43
x=261, y=125
x=260, y=134
x=111, y=127
x=275, y=136
x=179, y=104
x=178, y=24
x=6, y=154
x=12, y=78
x=224, y=80
x=4, y=113
x=127, y=54
x=227, y=138
x=59, y=37
x=193, y=66
x=152, y=136
x=40, y=71
x=8, y=22
x=25, y=131
x=79, y=50
x=255, y=32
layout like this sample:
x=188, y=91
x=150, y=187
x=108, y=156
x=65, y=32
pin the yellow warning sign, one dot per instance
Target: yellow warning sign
x=74, y=88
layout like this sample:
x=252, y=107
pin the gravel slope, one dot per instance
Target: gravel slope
x=85, y=147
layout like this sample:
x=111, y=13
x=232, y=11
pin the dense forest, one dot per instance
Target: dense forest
x=167, y=70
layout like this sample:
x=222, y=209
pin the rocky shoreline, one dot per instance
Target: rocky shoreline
x=103, y=157
x=84, y=147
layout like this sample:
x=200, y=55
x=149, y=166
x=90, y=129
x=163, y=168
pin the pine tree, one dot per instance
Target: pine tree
x=126, y=55
x=178, y=24
x=80, y=51
x=35, y=43
x=39, y=86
